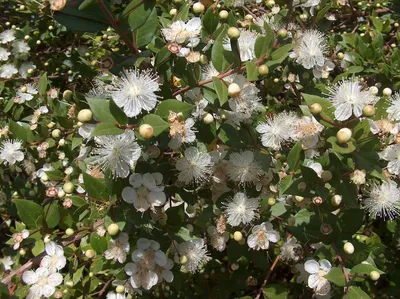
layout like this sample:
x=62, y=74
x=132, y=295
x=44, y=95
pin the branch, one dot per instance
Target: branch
x=346, y=274
x=268, y=275
x=103, y=289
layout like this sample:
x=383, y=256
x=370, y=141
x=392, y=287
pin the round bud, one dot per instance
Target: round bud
x=146, y=131
x=46, y=239
x=51, y=28
x=303, y=17
x=348, y=248
x=208, y=119
x=183, y=260
x=38, y=42
x=190, y=209
x=276, y=80
x=22, y=252
x=396, y=25
x=336, y=200
x=26, y=37
x=68, y=187
x=30, y=71
x=223, y=14
x=340, y=55
x=237, y=236
x=113, y=229
x=120, y=289
x=69, y=232
x=374, y=90
x=301, y=186
x=189, y=227
x=387, y=92
x=24, y=89
x=61, y=142
x=91, y=274
x=270, y=2
x=67, y=94
x=22, y=7
x=234, y=90
x=263, y=70
x=56, y=133
x=299, y=198
x=198, y=8
x=69, y=284
x=234, y=267
x=8, y=23
x=393, y=45
x=233, y=33
x=248, y=17
x=69, y=72
x=282, y=33
x=271, y=201
x=173, y=12
x=316, y=108
x=344, y=135
x=44, y=178
x=203, y=59
x=374, y=275
x=326, y=175
x=85, y=115
x=90, y=253
x=369, y=110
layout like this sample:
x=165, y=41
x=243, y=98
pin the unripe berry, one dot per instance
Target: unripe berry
x=189, y=227
x=237, y=236
x=348, y=248
x=374, y=275
x=223, y=14
x=91, y=274
x=38, y=42
x=344, y=135
x=369, y=110
x=56, y=133
x=90, y=253
x=198, y=8
x=248, y=17
x=30, y=71
x=113, y=229
x=69, y=284
x=208, y=119
x=183, y=259
x=146, y=131
x=68, y=187
x=234, y=90
x=336, y=200
x=263, y=70
x=173, y=12
x=69, y=232
x=233, y=33
x=67, y=94
x=387, y=92
x=234, y=267
x=271, y=201
x=316, y=108
x=282, y=33
x=326, y=175
x=203, y=59
x=120, y=289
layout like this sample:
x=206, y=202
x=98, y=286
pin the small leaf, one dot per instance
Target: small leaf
x=346, y=148
x=278, y=209
x=96, y=188
x=42, y=85
x=356, y=293
x=38, y=248
x=221, y=90
x=295, y=156
x=158, y=124
x=101, y=110
x=275, y=291
x=30, y=212
x=336, y=276
x=78, y=275
x=118, y=113
x=252, y=71
x=263, y=45
x=52, y=215
x=99, y=244
x=106, y=129
x=166, y=106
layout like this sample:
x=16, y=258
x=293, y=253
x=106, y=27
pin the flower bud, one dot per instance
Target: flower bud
x=113, y=229
x=348, y=248
x=237, y=236
x=146, y=131
x=120, y=289
x=69, y=232
x=198, y=8
x=344, y=135
x=326, y=175
x=374, y=90
x=233, y=33
x=85, y=115
x=317, y=200
x=68, y=187
x=183, y=260
x=69, y=284
x=22, y=252
x=271, y=201
x=203, y=59
x=61, y=194
x=316, y=108
x=282, y=33
x=51, y=28
x=61, y=142
x=67, y=94
x=234, y=90
x=91, y=274
x=56, y=133
x=369, y=110
x=336, y=200
x=340, y=55
x=234, y=267
x=90, y=253
x=387, y=92
x=223, y=14
x=173, y=12
x=374, y=275
x=263, y=70
x=208, y=119
x=190, y=209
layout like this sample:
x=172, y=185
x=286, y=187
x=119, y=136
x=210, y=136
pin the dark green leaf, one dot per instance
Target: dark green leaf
x=30, y=212
x=336, y=276
x=96, y=188
x=158, y=124
x=221, y=90
x=166, y=106
x=101, y=110
x=52, y=215
x=106, y=129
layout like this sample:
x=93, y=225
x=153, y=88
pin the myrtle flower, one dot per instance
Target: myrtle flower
x=358, y=176
x=118, y=153
x=135, y=91
x=309, y=49
x=20, y=48
x=394, y=109
x=383, y=201
x=316, y=280
x=54, y=259
x=246, y=42
x=25, y=93
x=146, y=191
x=114, y=295
x=218, y=240
x=8, y=70
x=118, y=248
x=196, y=253
x=261, y=236
x=272, y=23
x=240, y=209
x=324, y=71
x=10, y=151
x=310, y=3
x=7, y=36
x=23, y=69
x=42, y=282
x=347, y=97
x=392, y=155
x=7, y=262
x=180, y=130
x=384, y=126
x=242, y=168
x=194, y=167
x=4, y=54
x=181, y=32
x=277, y=130
x=196, y=97
x=306, y=131
x=148, y=265
x=291, y=250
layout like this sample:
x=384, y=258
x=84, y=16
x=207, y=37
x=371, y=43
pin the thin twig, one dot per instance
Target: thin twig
x=268, y=275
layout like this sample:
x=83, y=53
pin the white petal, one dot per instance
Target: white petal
x=313, y=281
x=136, y=180
x=129, y=195
x=25, y=233
x=167, y=275
x=143, y=243
x=273, y=236
x=55, y=279
x=30, y=277
x=323, y=287
x=160, y=258
x=311, y=266
x=325, y=265
x=157, y=198
x=48, y=290
x=130, y=269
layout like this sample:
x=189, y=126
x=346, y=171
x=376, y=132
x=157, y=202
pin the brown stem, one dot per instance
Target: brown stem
x=268, y=275
x=103, y=290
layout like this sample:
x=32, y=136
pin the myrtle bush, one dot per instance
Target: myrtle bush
x=212, y=149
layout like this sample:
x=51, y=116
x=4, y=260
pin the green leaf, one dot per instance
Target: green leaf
x=99, y=244
x=52, y=215
x=166, y=106
x=21, y=131
x=78, y=275
x=263, y=45
x=146, y=33
x=263, y=159
x=42, y=85
x=310, y=177
x=221, y=90
x=96, y=188
x=327, y=108
x=346, y=148
x=278, y=209
x=101, y=110
x=220, y=57
x=118, y=113
x=356, y=293
x=279, y=55
x=38, y=248
x=275, y=291
x=162, y=56
x=138, y=12
x=55, y=175
x=252, y=71
x=336, y=276
x=158, y=124
x=30, y=212
x=210, y=19
x=303, y=217
x=294, y=157
x=364, y=269
x=106, y=129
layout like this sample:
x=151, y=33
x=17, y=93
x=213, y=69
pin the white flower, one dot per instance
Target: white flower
x=149, y=265
x=316, y=280
x=4, y=54
x=218, y=241
x=118, y=153
x=146, y=191
x=261, y=235
x=196, y=253
x=42, y=282
x=7, y=262
x=27, y=95
x=135, y=91
x=383, y=201
x=358, y=176
x=394, y=109
x=181, y=32
x=317, y=167
x=55, y=259
x=277, y=130
x=7, y=36
x=8, y=70
x=306, y=131
x=10, y=151
x=273, y=24
x=194, y=166
x=246, y=42
x=324, y=71
x=20, y=48
x=118, y=248
x=113, y=295
x=196, y=97
x=86, y=130
x=240, y=210
x=181, y=132
x=291, y=250
x=310, y=3
x=392, y=155
x=23, y=69
x=347, y=97
x=243, y=169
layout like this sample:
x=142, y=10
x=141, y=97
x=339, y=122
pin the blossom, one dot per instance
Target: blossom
x=392, y=155
x=242, y=168
x=194, y=166
x=277, y=130
x=383, y=200
x=7, y=36
x=146, y=191
x=27, y=94
x=181, y=32
x=261, y=235
x=310, y=3
x=306, y=131
x=10, y=151
x=358, y=176
x=246, y=42
x=54, y=259
x=7, y=262
x=118, y=248
x=118, y=153
x=42, y=282
x=196, y=254
x=218, y=240
x=135, y=91
x=291, y=250
x=347, y=97
x=394, y=109
x=20, y=48
x=8, y=70
x=180, y=130
x=196, y=97
x=4, y=54
x=240, y=210
x=23, y=69
x=316, y=280
x=309, y=49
